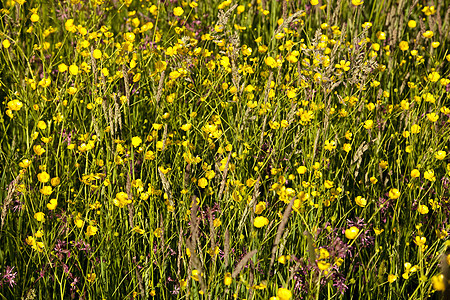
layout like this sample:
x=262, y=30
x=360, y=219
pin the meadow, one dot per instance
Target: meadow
x=252, y=149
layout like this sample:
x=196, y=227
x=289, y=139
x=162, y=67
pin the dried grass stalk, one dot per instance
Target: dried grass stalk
x=287, y=213
x=242, y=263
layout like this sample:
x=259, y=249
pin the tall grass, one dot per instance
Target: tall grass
x=218, y=150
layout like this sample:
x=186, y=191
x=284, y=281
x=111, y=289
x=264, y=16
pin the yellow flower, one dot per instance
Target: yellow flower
x=351, y=233
x=330, y=145
x=434, y=76
x=260, y=222
x=178, y=11
x=91, y=230
x=415, y=173
x=284, y=294
x=343, y=65
x=25, y=163
x=429, y=175
x=91, y=277
x=392, y=278
x=43, y=177
x=368, y=124
x=357, y=2
x=260, y=207
x=301, y=170
x=136, y=141
x=415, y=128
x=52, y=205
x=383, y=164
x=121, y=200
x=435, y=44
x=6, y=43
x=378, y=231
x=404, y=46
x=97, y=54
x=412, y=24
x=73, y=70
x=394, y=194
x=228, y=279
x=46, y=190
x=323, y=265
x=438, y=282
x=15, y=105
x=360, y=201
x=422, y=209
x=271, y=62
x=432, y=117
x=347, y=148
x=39, y=216
x=34, y=18
x=202, y=182
x=129, y=37
x=428, y=34
x=328, y=184
x=440, y=155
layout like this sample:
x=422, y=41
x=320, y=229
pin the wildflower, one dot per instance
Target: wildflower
x=202, y=182
x=323, y=265
x=6, y=43
x=394, y=194
x=415, y=128
x=392, y=278
x=420, y=241
x=352, y=232
x=43, y=177
x=73, y=70
x=34, y=18
x=404, y=46
x=422, y=209
x=260, y=222
x=435, y=44
x=429, y=175
x=432, y=117
x=383, y=164
x=178, y=11
x=260, y=207
x=136, y=141
x=328, y=184
x=378, y=231
x=330, y=145
x=46, y=190
x=39, y=216
x=412, y=24
x=440, y=155
x=357, y=2
x=343, y=65
x=121, y=200
x=438, y=282
x=428, y=34
x=97, y=54
x=52, y=204
x=314, y=2
x=284, y=294
x=91, y=230
x=360, y=201
x=91, y=277
x=15, y=105
x=434, y=76
x=368, y=124
x=228, y=279
x=129, y=37
x=347, y=147
x=415, y=173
